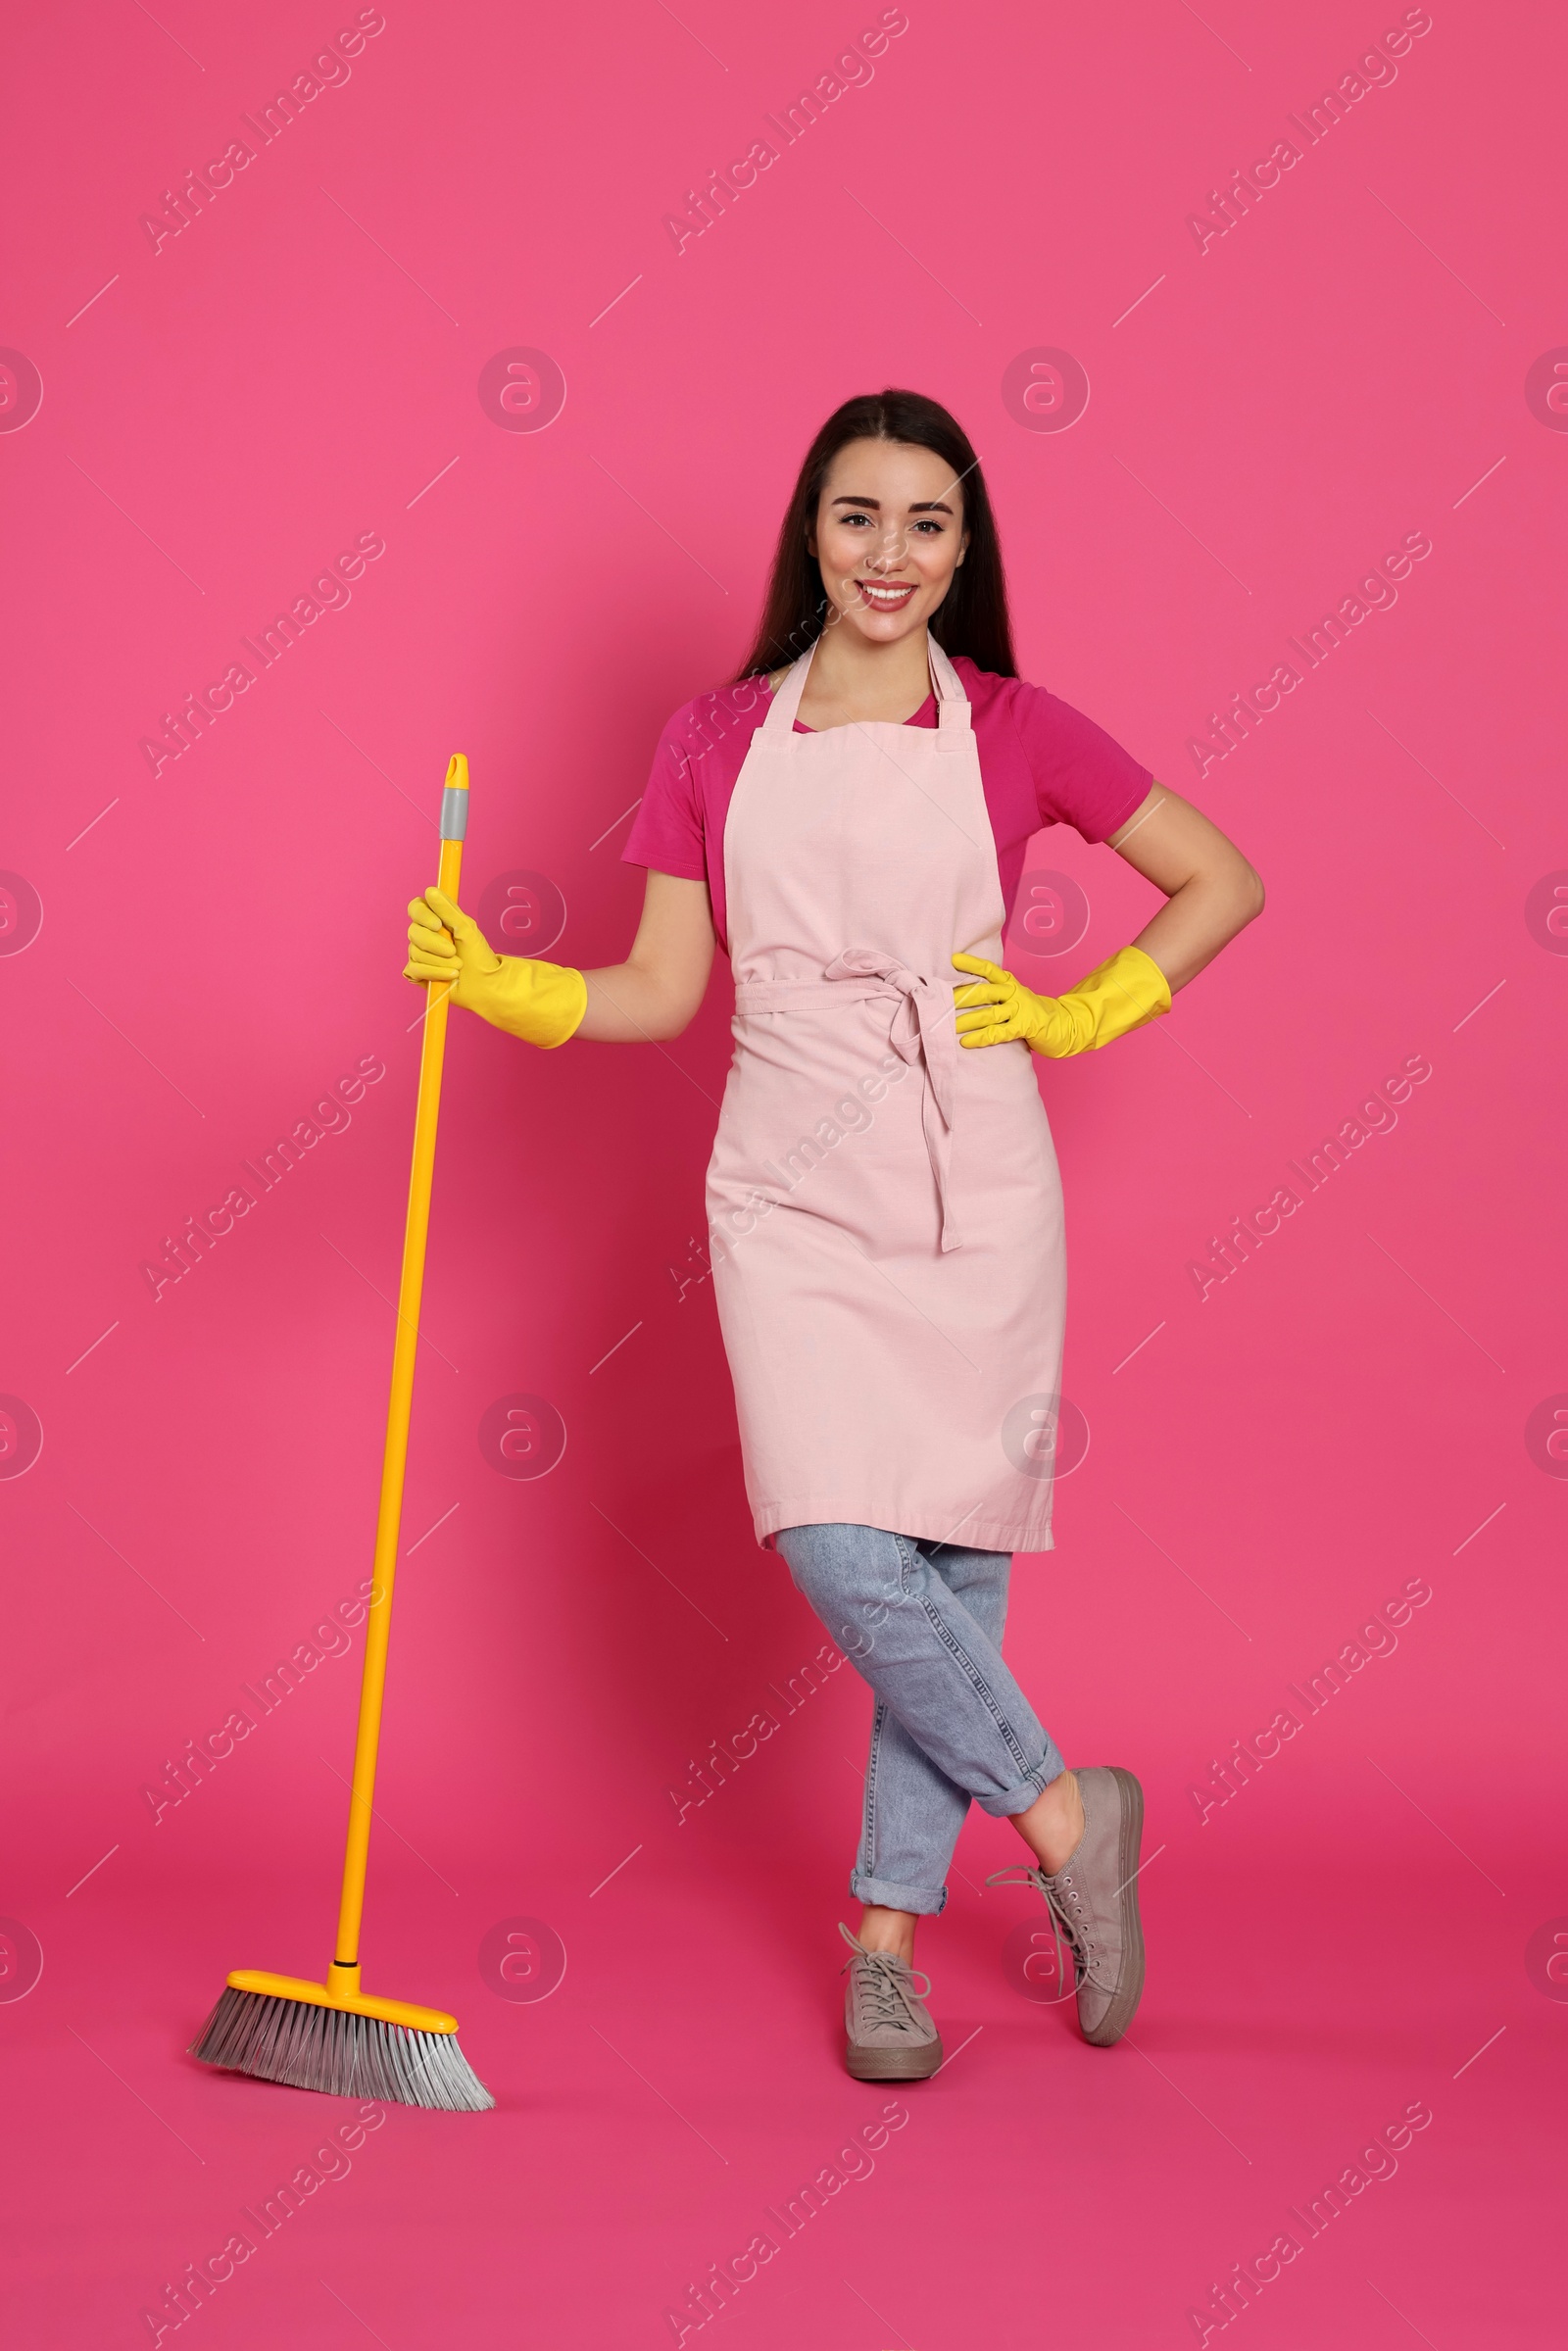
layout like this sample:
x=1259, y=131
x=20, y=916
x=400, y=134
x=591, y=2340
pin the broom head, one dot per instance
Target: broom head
x=282, y=2029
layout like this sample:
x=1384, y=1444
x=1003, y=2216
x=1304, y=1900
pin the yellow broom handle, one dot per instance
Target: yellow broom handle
x=454, y=808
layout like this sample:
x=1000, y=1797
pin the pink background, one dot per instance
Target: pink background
x=220, y=944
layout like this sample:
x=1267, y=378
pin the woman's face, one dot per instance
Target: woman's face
x=889, y=535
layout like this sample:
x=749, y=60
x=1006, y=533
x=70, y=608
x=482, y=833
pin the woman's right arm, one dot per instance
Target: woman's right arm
x=656, y=992
x=653, y=995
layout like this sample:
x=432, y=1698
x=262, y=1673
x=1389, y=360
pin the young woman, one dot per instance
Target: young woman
x=849, y=817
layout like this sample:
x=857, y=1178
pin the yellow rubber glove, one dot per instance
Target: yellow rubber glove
x=1121, y=995
x=541, y=1003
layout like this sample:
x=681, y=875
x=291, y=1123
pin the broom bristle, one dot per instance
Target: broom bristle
x=332, y=2049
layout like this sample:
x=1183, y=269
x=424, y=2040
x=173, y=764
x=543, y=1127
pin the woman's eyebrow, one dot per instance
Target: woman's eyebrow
x=926, y=506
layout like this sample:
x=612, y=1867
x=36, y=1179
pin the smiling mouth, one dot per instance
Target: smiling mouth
x=884, y=597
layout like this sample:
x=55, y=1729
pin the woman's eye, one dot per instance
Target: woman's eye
x=928, y=523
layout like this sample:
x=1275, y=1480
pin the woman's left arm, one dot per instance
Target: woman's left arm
x=1211, y=891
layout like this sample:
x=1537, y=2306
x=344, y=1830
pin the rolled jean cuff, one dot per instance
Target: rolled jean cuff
x=1019, y=1799
x=926, y=1901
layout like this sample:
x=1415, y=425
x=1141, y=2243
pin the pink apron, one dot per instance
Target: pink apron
x=885, y=1207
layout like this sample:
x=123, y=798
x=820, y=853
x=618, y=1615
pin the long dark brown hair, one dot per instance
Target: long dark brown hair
x=972, y=617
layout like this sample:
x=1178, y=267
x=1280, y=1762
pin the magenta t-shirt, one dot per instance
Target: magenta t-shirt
x=1041, y=763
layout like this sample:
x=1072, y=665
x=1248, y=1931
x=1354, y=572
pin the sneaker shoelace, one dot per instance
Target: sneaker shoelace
x=1067, y=1920
x=884, y=1982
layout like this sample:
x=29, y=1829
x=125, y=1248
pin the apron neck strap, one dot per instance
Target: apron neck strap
x=953, y=704
x=779, y=724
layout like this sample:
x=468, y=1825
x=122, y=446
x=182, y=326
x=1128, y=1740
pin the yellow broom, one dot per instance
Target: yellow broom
x=333, y=2037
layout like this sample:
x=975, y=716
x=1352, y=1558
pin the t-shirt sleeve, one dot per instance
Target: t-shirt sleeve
x=667, y=831
x=1082, y=775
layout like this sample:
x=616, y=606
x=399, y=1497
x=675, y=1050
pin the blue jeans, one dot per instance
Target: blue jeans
x=922, y=1623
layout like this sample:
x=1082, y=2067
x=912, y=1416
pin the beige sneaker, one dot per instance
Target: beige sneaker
x=888, y=2036
x=1093, y=1902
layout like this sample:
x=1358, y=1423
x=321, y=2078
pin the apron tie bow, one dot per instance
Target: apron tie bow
x=923, y=1034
